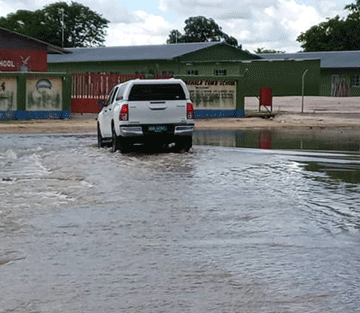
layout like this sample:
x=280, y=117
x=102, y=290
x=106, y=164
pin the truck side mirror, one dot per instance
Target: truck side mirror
x=101, y=103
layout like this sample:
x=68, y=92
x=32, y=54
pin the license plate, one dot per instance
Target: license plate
x=157, y=129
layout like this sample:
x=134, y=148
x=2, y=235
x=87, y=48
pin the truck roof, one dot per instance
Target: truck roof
x=156, y=81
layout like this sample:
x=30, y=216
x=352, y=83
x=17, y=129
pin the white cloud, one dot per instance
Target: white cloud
x=146, y=29
x=218, y=10
x=118, y=14
x=273, y=24
x=254, y=23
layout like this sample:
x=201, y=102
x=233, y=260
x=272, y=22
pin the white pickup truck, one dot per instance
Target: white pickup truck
x=155, y=112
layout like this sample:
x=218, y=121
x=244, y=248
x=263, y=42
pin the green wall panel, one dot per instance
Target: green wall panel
x=284, y=77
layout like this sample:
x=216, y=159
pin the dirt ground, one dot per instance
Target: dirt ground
x=318, y=112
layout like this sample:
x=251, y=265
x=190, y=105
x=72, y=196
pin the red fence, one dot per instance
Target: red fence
x=89, y=88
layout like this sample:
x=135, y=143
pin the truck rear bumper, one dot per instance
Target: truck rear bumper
x=170, y=130
x=184, y=130
x=131, y=131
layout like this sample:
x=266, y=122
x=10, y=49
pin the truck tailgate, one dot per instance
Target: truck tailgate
x=157, y=112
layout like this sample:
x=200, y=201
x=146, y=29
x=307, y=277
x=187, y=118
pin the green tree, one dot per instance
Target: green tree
x=335, y=34
x=201, y=29
x=25, y=22
x=82, y=27
x=263, y=50
x=175, y=37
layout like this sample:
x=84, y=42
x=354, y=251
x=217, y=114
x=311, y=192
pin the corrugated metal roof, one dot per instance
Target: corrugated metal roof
x=330, y=59
x=129, y=53
x=48, y=47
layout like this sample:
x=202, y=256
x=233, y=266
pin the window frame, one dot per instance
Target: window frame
x=355, y=81
x=220, y=72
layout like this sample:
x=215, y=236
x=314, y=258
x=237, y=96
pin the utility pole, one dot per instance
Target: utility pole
x=303, y=90
x=62, y=27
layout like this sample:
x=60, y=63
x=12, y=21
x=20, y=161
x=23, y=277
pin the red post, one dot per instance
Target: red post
x=265, y=98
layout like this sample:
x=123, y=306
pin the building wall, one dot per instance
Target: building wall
x=285, y=77
x=146, y=67
x=34, y=95
x=115, y=67
x=340, y=82
x=15, y=60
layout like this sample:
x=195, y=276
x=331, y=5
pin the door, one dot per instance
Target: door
x=108, y=114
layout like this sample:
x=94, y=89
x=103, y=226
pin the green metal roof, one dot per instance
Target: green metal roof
x=328, y=59
x=135, y=53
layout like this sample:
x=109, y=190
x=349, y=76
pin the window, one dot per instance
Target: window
x=169, y=72
x=120, y=94
x=220, y=72
x=154, y=92
x=192, y=72
x=109, y=99
x=113, y=95
x=356, y=81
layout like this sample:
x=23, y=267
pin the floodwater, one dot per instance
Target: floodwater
x=244, y=222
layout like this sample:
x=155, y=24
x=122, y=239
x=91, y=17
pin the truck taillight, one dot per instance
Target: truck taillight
x=189, y=111
x=124, y=113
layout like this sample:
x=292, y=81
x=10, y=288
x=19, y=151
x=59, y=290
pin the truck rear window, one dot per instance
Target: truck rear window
x=152, y=92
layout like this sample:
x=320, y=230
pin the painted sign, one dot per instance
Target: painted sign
x=44, y=94
x=23, y=61
x=212, y=94
x=8, y=91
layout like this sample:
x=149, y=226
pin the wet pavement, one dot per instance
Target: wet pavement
x=245, y=222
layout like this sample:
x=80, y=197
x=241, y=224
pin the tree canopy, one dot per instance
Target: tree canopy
x=201, y=29
x=263, y=50
x=335, y=34
x=82, y=27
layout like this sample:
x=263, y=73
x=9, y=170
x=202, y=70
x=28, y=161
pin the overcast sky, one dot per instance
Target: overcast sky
x=272, y=24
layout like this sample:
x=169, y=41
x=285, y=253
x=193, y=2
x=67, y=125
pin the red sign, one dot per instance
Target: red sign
x=23, y=61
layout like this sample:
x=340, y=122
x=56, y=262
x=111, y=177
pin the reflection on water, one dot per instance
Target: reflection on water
x=306, y=140
x=219, y=229
x=330, y=140
x=346, y=172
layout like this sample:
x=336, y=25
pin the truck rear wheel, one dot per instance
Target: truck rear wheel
x=183, y=144
x=114, y=141
x=118, y=143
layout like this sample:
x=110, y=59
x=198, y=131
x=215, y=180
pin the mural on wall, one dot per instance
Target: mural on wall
x=8, y=91
x=212, y=94
x=44, y=94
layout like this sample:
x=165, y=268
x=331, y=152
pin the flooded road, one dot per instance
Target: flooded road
x=229, y=228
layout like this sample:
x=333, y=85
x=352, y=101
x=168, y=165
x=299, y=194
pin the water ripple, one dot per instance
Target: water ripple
x=217, y=229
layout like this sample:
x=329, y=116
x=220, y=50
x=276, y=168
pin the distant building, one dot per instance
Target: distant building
x=206, y=58
x=340, y=70
x=19, y=53
x=209, y=68
x=27, y=89
x=215, y=59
